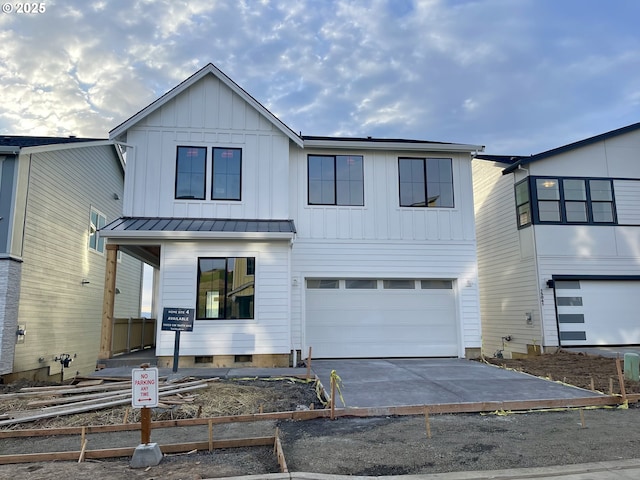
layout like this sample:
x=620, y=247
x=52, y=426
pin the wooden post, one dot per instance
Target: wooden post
x=610, y=385
x=210, y=435
x=623, y=391
x=309, y=364
x=593, y=385
x=108, y=302
x=426, y=419
x=333, y=397
x=145, y=427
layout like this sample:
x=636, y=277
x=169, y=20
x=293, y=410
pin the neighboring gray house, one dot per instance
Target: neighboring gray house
x=356, y=247
x=54, y=194
x=559, y=245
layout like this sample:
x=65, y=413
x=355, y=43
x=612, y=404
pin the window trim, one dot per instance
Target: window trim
x=204, y=179
x=213, y=173
x=562, y=201
x=335, y=181
x=425, y=182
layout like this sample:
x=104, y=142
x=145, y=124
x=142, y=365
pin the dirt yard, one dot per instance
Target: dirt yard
x=355, y=446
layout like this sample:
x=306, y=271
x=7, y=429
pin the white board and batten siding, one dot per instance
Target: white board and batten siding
x=207, y=114
x=266, y=333
x=383, y=241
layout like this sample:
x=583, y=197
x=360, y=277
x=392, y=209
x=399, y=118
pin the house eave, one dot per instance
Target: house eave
x=393, y=145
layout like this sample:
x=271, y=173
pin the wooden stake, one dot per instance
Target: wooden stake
x=593, y=386
x=610, y=385
x=426, y=419
x=623, y=391
x=309, y=364
x=82, y=451
x=210, y=435
x=550, y=377
x=582, y=417
x=126, y=415
x=333, y=397
x=261, y=409
x=82, y=436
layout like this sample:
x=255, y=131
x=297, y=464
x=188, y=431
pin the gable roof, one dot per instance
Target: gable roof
x=13, y=143
x=209, y=69
x=16, y=144
x=571, y=146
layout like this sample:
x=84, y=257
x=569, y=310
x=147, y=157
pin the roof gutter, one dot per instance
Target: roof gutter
x=378, y=145
x=9, y=150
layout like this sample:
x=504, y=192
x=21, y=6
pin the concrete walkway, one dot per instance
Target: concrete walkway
x=430, y=381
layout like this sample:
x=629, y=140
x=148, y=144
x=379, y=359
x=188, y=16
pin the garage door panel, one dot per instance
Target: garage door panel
x=605, y=312
x=381, y=323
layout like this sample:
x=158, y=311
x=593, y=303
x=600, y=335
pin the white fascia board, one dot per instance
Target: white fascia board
x=161, y=235
x=381, y=145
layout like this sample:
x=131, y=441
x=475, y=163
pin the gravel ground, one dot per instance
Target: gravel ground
x=370, y=446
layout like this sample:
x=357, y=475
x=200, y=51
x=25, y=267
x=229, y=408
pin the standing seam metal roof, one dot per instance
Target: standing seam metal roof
x=155, y=224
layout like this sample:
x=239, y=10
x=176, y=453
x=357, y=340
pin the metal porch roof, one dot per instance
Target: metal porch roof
x=166, y=227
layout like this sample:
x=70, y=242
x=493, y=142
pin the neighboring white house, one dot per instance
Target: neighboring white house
x=356, y=247
x=54, y=194
x=559, y=245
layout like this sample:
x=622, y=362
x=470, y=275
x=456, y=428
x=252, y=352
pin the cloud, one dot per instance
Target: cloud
x=519, y=77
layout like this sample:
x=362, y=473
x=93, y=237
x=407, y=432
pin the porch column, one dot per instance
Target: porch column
x=108, y=302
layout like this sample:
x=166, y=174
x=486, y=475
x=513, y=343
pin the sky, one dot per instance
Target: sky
x=518, y=76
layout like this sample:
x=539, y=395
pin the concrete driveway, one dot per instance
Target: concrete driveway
x=428, y=381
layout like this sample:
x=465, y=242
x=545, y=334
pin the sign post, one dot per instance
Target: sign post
x=144, y=395
x=175, y=319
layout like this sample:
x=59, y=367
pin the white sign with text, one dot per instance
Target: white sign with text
x=144, y=387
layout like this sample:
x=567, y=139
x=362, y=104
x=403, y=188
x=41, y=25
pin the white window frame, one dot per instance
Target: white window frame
x=95, y=243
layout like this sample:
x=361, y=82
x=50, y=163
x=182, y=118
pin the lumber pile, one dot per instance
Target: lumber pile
x=87, y=396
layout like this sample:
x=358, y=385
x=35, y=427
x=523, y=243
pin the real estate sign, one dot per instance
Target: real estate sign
x=178, y=319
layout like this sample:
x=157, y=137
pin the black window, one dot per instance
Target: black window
x=425, y=182
x=227, y=173
x=570, y=200
x=335, y=180
x=226, y=288
x=523, y=204
x=191, y=172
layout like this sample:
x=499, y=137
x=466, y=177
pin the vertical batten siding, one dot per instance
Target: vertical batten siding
x=507, y=273
x=381, y=217
x=367, y=259
x=9, y=298
x=61, y=314
x=267, y=333
x=208, y=114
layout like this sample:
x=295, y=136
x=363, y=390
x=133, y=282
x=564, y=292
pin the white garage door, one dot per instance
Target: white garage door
x=603, y=312
x=381, y=318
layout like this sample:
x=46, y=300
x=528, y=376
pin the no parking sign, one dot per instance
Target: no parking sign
x=144, y=387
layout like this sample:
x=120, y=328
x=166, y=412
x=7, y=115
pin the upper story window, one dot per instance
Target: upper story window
x=191, y=164
x=226, y=288
x=227, y=173
x=425, y=182
x=523, y=204
x=565, y=201
x=335, y=180
x=96, y=221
